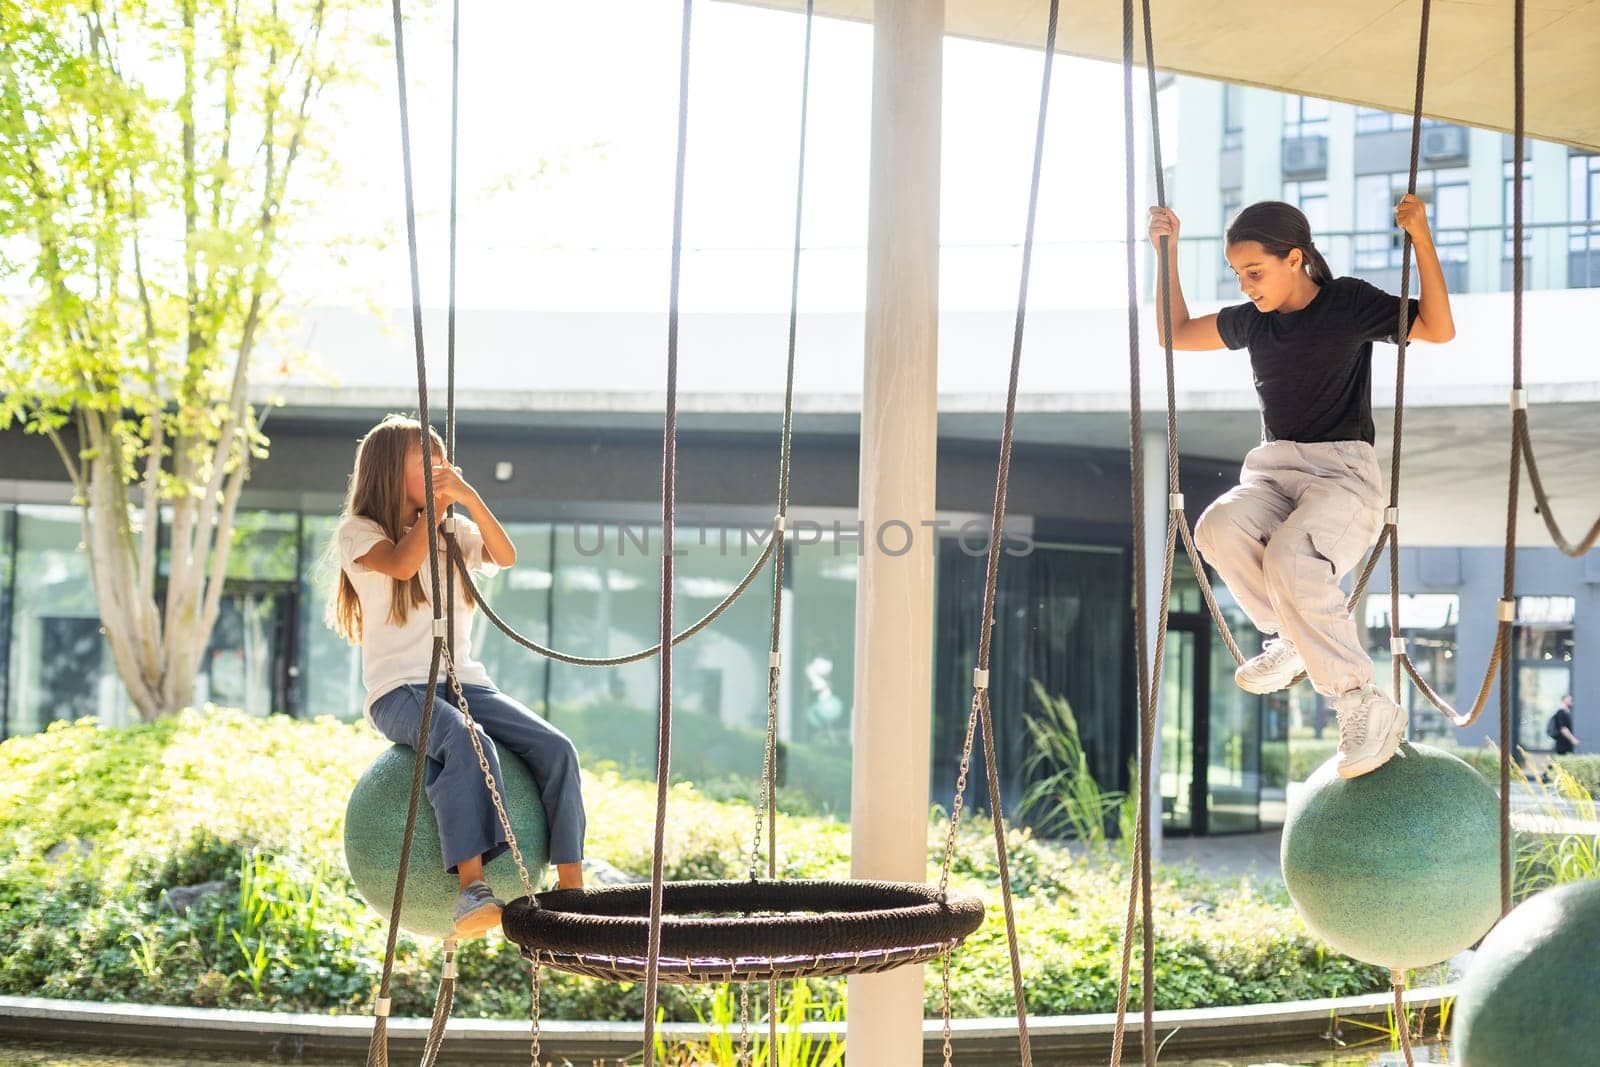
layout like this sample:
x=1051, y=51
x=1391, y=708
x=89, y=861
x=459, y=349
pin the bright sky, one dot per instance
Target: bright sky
x=592, y=90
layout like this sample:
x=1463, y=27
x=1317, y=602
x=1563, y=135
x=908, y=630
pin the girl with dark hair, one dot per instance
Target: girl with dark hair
x=1310, y=497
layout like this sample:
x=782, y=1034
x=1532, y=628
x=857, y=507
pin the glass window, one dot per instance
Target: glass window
x=1428, y=624
x=1238, y=798
x=60, y=663
x=263, y=545
x=1202, y=709
x=1583, y=234
x=1583, y=196
x=1379, y=244
x=329, y=676
x=1376, y=120
x=1508, y=206
x=1304, y=116
x=1057, y=607
x=520, y=596
x=1542, y=646
x=606, y=602
x=1232, y=116
x=1312, y=199
x=8, y=577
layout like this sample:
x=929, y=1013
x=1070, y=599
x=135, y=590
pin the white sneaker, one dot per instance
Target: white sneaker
x=1371, y=727
x=1271, y=671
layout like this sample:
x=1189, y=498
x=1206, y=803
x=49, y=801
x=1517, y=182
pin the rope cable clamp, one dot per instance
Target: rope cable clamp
x=449, y=524
x=1519, y=400
x=980, y=678
x=1174, y=501
x=449, y=967
x=1508, y=610
x=780, y=524
x=1391, y=516
x=1397, y=646
x=441, y=627
x=380, y=1007
x=775, y=660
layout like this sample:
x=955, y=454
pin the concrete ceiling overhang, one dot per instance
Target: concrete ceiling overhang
x=1357, y=51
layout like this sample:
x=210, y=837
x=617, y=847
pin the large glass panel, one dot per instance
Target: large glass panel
x=329, y=676
x=1231, y=718
x=1543, y=656
x=520, y=596
x=1178, y=732
x=605, y=593
x=1234, y=766
x=820, y=667
x=60, y=663
x=1428, y=624
x=8, y=574
x=245, y=664
x=262, y=546
x=1060, y=628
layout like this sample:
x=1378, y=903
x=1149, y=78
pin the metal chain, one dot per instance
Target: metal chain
x=538, y=1024
x=956, y=804
x=768, y=767
x=944, y=983
x=742, y=1056
x=488, y=776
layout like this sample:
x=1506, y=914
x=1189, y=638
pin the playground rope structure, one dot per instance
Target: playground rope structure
x=1149, y=654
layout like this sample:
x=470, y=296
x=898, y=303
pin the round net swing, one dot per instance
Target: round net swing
x=742, y=930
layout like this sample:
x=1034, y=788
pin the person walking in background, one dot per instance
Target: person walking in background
x=1560, y=728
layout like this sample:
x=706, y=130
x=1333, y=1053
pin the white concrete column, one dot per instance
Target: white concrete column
x=1155, y=540
x=892, y=722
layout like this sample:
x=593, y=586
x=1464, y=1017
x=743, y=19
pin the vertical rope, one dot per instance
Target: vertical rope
x=979, y=710
x=378, y=1049
x=1145, y=670
x=443, y=1001
x=669, y=490
x=768, y=807
x=450, y=320
x=1402, y=1024
x=1519, y=425
x=1402, y=341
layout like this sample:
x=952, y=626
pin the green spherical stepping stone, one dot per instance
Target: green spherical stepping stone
x=375, y=826
x=1400, y=867
x=1532, y=995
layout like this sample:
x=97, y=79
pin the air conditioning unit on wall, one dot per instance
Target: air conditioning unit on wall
x=1444, y=144
x=1305, y=157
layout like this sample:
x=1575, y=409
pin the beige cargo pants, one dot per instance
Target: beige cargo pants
x=1301, y=518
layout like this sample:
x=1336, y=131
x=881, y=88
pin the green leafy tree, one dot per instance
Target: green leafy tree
x=146, y=155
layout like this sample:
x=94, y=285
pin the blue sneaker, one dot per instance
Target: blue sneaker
x=477, y=910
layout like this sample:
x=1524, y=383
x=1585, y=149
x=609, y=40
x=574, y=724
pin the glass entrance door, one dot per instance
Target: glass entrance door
x=1182, y=775
x=1210, y=736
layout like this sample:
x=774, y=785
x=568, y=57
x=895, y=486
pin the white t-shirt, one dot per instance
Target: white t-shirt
x=392, y=656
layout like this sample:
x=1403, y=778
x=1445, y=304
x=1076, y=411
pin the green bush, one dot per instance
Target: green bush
x=1585, y=771
x=95, y=824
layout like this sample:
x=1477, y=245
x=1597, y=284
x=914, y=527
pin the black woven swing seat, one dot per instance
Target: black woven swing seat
x=742, y=931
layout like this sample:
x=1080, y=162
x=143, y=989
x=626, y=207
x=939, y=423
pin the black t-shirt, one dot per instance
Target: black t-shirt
x=1563, y=721
x=1313, y=367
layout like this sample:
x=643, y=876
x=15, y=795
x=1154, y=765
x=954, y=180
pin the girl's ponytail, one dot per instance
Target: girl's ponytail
x=1316, y=266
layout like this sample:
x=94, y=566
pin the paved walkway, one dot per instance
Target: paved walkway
x=1230, y=856
x=1256, y=855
